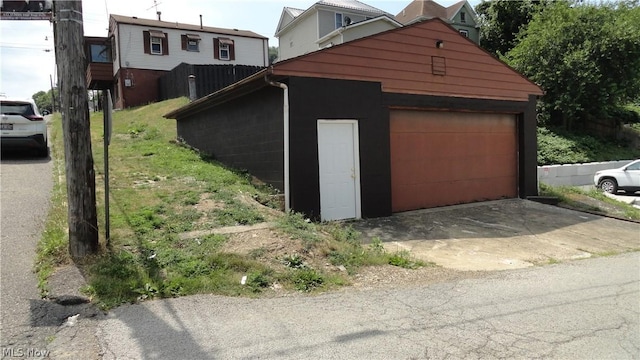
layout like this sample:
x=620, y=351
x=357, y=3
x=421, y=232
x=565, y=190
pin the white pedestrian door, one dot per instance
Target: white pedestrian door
x=338, y=159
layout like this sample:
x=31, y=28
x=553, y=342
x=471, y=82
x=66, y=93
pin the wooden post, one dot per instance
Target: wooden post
x=74, y=107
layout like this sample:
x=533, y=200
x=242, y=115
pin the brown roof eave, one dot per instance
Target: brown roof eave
x=241, y=88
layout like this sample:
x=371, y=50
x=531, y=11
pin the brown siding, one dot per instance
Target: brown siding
x=401, y=60
x=99, y=76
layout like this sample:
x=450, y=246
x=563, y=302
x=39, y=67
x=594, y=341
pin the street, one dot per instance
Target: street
x=25, y=188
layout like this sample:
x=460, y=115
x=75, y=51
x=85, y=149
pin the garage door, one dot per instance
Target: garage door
x=446, y=158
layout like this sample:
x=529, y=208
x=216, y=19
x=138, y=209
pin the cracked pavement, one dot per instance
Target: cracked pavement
x=580, y=309
x=31, y=327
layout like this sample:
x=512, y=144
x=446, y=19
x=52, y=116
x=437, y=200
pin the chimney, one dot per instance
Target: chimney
x=200, y=21
x=159, y=13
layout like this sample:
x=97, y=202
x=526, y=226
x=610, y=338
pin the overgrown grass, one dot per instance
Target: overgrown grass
x=558, y=147
x=577, y=198
x=161, y=189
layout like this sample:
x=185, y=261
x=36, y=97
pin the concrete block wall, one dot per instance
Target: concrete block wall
x=574, y=174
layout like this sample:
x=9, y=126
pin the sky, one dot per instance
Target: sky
x=27, y=60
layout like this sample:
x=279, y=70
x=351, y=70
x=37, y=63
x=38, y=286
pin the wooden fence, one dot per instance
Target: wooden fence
x=209, y=78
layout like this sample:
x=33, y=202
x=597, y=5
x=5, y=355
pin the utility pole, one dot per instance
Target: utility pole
x=74, y=107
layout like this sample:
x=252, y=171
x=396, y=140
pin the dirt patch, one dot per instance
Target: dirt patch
x=270, y=246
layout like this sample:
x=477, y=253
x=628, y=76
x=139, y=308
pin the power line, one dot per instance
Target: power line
x=26, y=48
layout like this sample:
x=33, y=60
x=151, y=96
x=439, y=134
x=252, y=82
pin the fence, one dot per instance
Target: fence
x=209, y=78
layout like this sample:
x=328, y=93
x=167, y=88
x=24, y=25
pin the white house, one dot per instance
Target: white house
x=326, y=23
x=143, y=50
x=459, y=15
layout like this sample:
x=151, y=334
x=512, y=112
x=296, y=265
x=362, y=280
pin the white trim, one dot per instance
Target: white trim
x=356, y=160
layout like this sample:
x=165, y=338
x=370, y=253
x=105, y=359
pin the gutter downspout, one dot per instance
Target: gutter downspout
x=285, y=110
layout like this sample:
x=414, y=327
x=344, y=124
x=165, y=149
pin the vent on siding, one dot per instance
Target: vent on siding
x=438, y=65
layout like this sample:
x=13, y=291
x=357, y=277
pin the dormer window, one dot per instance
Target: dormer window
x=156, y=45
x=155, y=42
x=191, y=42
x=223, y=49
x=338, y=20
x=463, y=17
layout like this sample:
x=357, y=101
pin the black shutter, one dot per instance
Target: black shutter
x=165, y=44
x=232, y=51
x=184, y=41
x=216, y=49
x=147, y=42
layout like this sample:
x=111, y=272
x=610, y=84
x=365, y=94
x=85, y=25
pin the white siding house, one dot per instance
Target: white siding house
x=143, y=50
x=303, y=31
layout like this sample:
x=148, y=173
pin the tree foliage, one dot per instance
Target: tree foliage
x=502, y=20
x=44, y=100
x=585, y=56
x=273, y=54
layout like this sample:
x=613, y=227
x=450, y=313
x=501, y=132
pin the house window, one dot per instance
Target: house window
x=463, y=17
x=338, y=20
x=155, y=42
x=223, y=49
x=156, y=45
x=191, y=42
x=464, y=33
x=100, y=53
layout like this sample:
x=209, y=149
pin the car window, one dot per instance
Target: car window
x=15, y=108
x=635, y=166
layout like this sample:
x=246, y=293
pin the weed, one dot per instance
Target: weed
x=294, y=261
x=148, y=291
x=402, y=259
x=343, y=233
x=259, y=280
x=257, y=253
x=238, y=214
x=376, y=246
x=136, y=129
x=307, y=280
x=297, y=226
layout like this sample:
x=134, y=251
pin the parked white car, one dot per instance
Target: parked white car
x=22, y=126
x=625, y=178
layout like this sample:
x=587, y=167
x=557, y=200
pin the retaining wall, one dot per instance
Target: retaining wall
x=574, y=174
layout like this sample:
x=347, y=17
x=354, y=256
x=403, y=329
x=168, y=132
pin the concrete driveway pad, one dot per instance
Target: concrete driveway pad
x=500, y=235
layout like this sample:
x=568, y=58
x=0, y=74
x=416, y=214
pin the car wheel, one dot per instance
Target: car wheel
x=609, y=185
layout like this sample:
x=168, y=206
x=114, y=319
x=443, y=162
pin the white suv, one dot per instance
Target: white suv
x=22, y=126
x=625, y=178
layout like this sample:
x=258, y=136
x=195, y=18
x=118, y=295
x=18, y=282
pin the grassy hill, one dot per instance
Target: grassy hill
x=182, y=223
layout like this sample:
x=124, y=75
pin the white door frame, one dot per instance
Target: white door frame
x=356, y=163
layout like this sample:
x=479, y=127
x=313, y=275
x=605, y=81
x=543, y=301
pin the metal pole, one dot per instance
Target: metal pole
x=53, y=96
x=106, y=104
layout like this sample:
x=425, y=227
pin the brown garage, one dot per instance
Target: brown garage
x=446, y=158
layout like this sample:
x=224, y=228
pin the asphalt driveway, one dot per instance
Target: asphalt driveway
x=501, y=235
